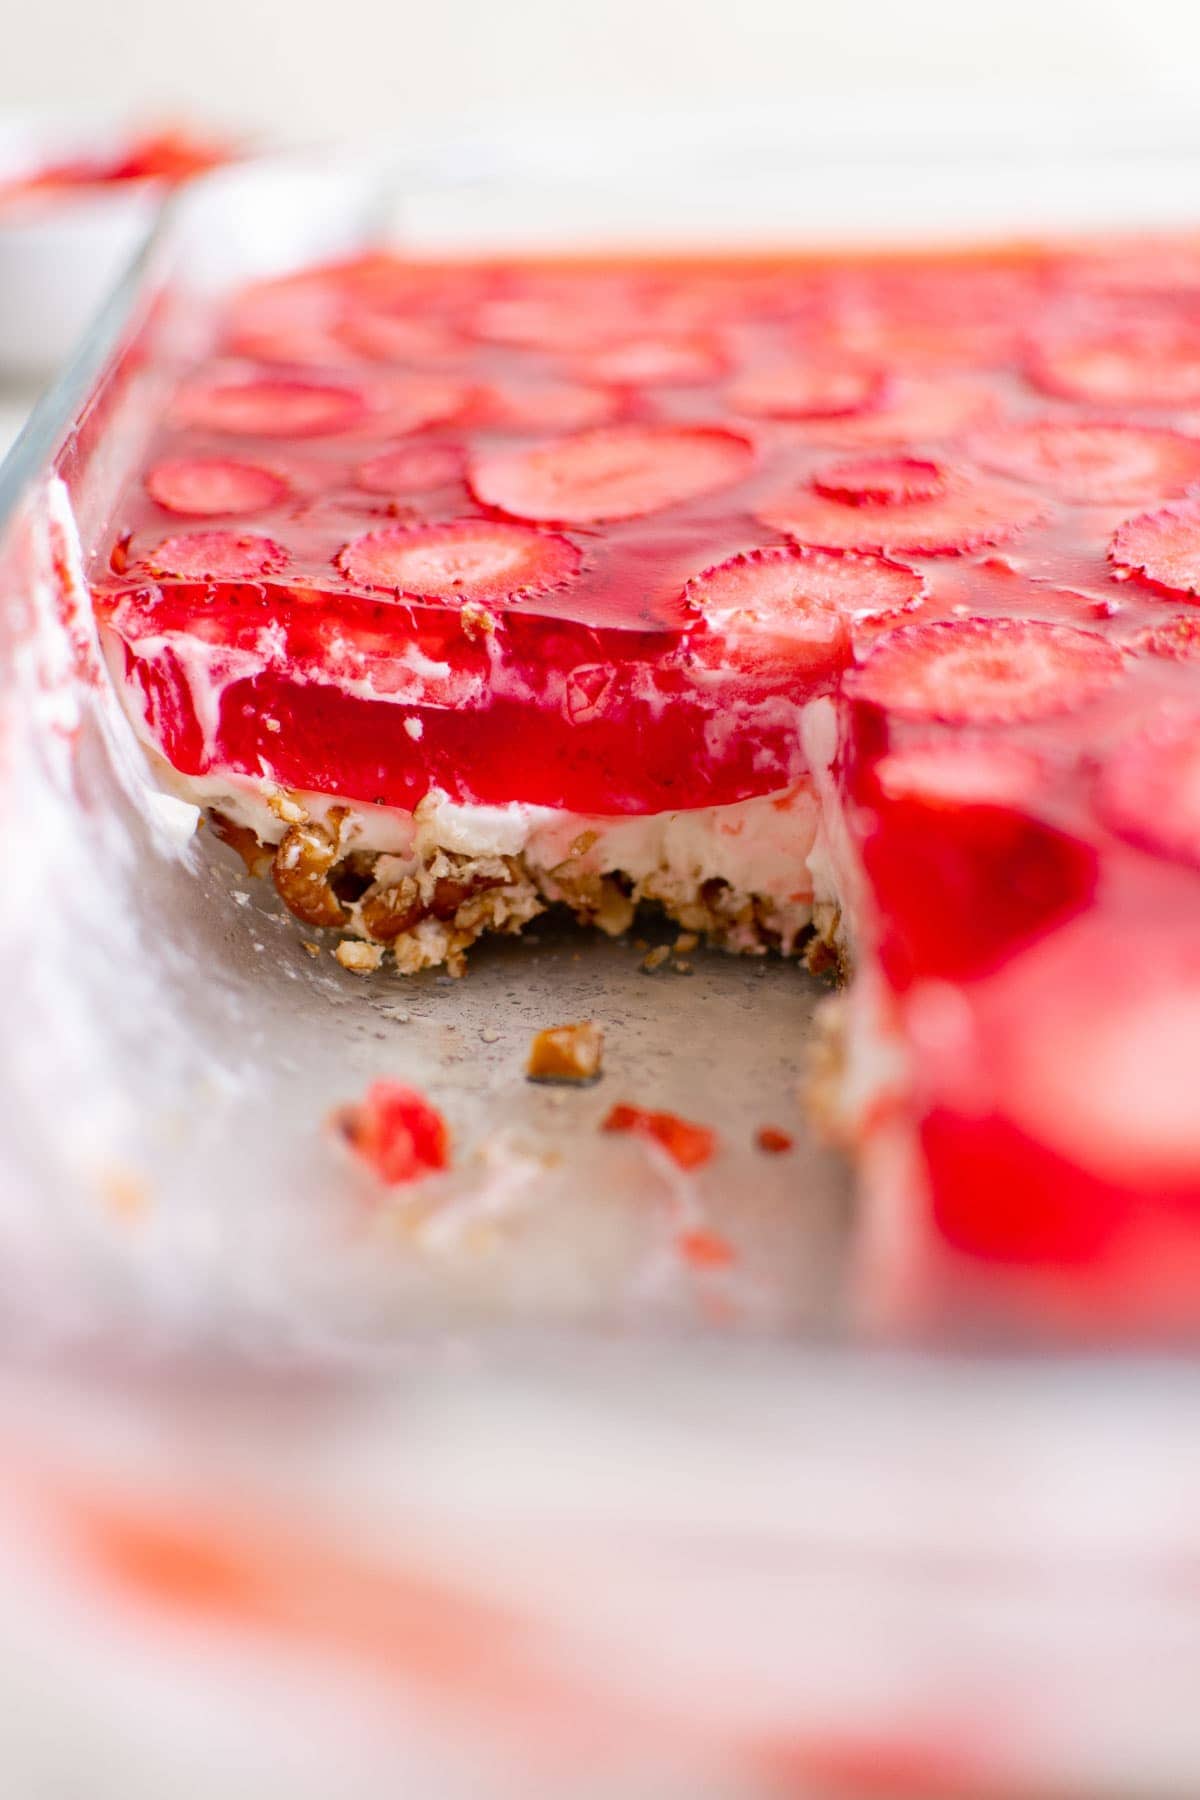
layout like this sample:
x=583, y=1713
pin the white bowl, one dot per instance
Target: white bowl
x=62, y=249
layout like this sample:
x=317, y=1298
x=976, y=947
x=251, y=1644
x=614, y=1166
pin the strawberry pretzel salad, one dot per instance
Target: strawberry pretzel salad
x=838, y=608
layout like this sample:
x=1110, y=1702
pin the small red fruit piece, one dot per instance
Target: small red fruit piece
x=621, y=472
x=985, y=671
x=706, y=1249
x=1149, y=791
x=1098, y=463
x=217, y=556
x=464, y=559
x=774, y=1142
x=968, y=515
x=686, y=1143
x=271, y=407
x=413, y=469
x=823, y=389
x=655, y=362
x=396, y=1132
x=1162, y=547
x=880, y=480
x=206, y=486
x=1162, y=370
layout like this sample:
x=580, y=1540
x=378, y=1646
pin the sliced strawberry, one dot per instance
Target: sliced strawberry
x=271, y=407
x=964, y=517
x=201, y=486
x=1177, y=640
x=824, y=389
x=932, y=342
x=388, y=337
x=1159, y=370
x=655, y=362
x=619, y=473
x=686, y=1143
x=1162, y=547
x=413, y=469
x=786, y=587
x=396, y=1132
x=217, y=556
x=985, y=671
x=785, y=607
x=880, y=480
x=1149, y=792
x=551, y=322
x=1101, y=463
x=960, y=884
x=915, y=410
x=300, y=345
x=967, y=773
x=407, y=403
x=466, y=559
x=546, y=406
x=1091, y=1040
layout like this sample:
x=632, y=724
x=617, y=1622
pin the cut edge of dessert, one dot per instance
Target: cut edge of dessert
x=453, y=874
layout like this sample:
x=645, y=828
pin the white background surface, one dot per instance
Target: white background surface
x=308, y=67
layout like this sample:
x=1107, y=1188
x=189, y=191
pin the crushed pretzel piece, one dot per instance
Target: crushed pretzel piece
x=286, y=810
x=257, y=857
x=476, y=621
x=686, y=942
x=359, y=958
x=303, y=862
x=655, y=959
x=567, y=1053
x=387, y=911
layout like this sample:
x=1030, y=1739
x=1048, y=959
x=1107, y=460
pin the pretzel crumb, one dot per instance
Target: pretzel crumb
x=358, y=957
x=567, y=1053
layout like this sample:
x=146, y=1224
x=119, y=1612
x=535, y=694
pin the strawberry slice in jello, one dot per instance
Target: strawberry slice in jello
x=944, y=513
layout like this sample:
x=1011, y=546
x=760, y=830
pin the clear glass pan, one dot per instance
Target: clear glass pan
x=480, y=1493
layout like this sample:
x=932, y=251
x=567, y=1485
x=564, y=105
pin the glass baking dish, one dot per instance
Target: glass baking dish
x=501, y=1497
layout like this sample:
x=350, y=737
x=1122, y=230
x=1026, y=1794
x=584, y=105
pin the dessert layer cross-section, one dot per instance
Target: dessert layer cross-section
x=857, y=594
